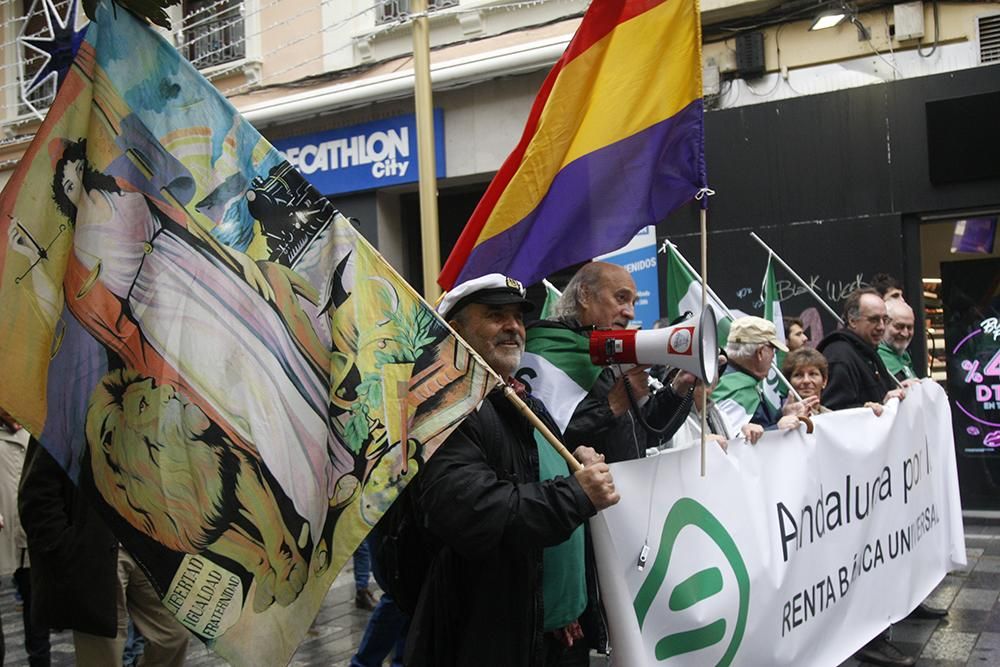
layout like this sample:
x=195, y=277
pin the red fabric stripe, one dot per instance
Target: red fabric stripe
x=602, y=17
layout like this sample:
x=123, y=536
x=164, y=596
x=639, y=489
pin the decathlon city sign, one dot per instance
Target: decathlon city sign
x=362, y=157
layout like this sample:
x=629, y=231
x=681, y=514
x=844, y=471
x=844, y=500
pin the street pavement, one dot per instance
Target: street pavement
x=968, y=637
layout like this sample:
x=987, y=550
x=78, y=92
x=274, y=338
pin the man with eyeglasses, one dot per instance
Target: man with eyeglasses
x=897, y=337
x=857, y=373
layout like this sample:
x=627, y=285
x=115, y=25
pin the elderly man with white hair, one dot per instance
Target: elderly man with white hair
x=897, y=337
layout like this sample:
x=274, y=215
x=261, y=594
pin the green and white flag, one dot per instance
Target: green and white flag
x=684, y=294
x=556, y=368
x=551, y=296
x=774, y=389
x=737, y=397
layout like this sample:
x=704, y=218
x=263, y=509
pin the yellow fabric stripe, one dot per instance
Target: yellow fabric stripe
x=643, y=72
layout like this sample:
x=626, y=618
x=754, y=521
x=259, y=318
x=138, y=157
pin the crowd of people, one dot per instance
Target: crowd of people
x=501, y=516
x=506, y=518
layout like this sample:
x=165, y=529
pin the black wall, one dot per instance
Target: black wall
x=832, y=182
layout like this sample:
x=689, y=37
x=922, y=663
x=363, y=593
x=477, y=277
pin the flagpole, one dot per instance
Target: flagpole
x=704, y=304
x=728, y=312
x=798, y=278
x=427, y=169
x=810, y=290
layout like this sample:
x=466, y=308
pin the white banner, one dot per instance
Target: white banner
x=796, y=551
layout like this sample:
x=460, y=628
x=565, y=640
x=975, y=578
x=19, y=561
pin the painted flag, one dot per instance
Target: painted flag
x=556, y=368
x=613, y=142
x=207, y=345
x=774, y=389
x=551, y=297
x=684, y=294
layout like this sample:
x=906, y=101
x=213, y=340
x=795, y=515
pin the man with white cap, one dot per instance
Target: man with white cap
x=508, y=582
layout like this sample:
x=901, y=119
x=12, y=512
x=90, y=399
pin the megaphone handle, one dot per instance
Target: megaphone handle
x=571, y=461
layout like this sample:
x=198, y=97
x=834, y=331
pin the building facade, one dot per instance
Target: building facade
x=850, y=150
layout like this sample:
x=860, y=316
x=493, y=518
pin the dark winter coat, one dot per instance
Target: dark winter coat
x=857, y=374
x=622, y=437
x=480, y=495
x=74, y=555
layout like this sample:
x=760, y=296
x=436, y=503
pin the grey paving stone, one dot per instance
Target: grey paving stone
x=978, y=579
x=966, y=620
x=975, y=598
x=914, y=632
x=949, y=645
x=988, y=564
x=989, y=640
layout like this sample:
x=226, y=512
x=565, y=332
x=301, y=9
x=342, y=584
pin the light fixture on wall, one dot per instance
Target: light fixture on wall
x=836, y=14
x=829, y=18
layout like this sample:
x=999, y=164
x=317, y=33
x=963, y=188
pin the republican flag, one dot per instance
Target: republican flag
x=613, y=142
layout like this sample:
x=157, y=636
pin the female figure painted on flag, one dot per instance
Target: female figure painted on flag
x=158, y=291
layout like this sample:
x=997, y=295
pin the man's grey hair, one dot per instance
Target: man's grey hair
x=586, y=280
x=742, y=350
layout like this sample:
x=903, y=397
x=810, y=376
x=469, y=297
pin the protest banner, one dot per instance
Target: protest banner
x=795, y=551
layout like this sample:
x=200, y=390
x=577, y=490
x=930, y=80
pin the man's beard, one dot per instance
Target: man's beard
x=900, y=347
x=503, y=357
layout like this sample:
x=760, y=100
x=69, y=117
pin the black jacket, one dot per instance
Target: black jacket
x=74, y=555
x=481, y=497
x=857, y=374
x=621, y=438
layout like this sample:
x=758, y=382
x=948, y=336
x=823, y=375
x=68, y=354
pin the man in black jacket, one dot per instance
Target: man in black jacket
x=858, y=377
x=81, y=579
x=603, y=296
x=857, y=374
x=508, y=582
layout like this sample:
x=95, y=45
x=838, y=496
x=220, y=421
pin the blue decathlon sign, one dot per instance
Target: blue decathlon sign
x=362, y=157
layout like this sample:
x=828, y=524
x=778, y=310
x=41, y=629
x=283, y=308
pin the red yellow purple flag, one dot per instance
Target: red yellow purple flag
x=614, y=142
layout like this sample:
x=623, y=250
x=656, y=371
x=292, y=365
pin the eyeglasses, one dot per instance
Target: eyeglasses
x=876, y=319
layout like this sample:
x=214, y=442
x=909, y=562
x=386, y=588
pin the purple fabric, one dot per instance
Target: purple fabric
x=598, y=202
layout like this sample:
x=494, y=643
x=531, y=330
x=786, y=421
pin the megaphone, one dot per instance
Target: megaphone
x=691, y=345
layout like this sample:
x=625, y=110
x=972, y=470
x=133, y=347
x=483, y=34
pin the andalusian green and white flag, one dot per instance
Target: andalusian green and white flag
x=774, y=389
x=684, y=294
x=737, y=397
x=551, y=296
x=556, y=368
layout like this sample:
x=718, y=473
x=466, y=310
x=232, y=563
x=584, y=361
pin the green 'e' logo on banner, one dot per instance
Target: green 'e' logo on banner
x=697, y=587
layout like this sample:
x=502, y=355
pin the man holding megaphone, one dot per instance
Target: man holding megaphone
x=606, y=405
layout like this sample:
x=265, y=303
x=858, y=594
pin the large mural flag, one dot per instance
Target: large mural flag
x=209, y=347
x=613, y=143
x=796, y=551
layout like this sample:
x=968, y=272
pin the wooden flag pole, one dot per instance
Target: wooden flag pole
x=557, y=445
x=427, y=168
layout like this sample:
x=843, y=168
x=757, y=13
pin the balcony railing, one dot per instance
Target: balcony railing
x=213, y=36
x=391, y=10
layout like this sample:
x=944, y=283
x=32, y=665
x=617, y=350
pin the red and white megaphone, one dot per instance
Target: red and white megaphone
x=690, y=345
